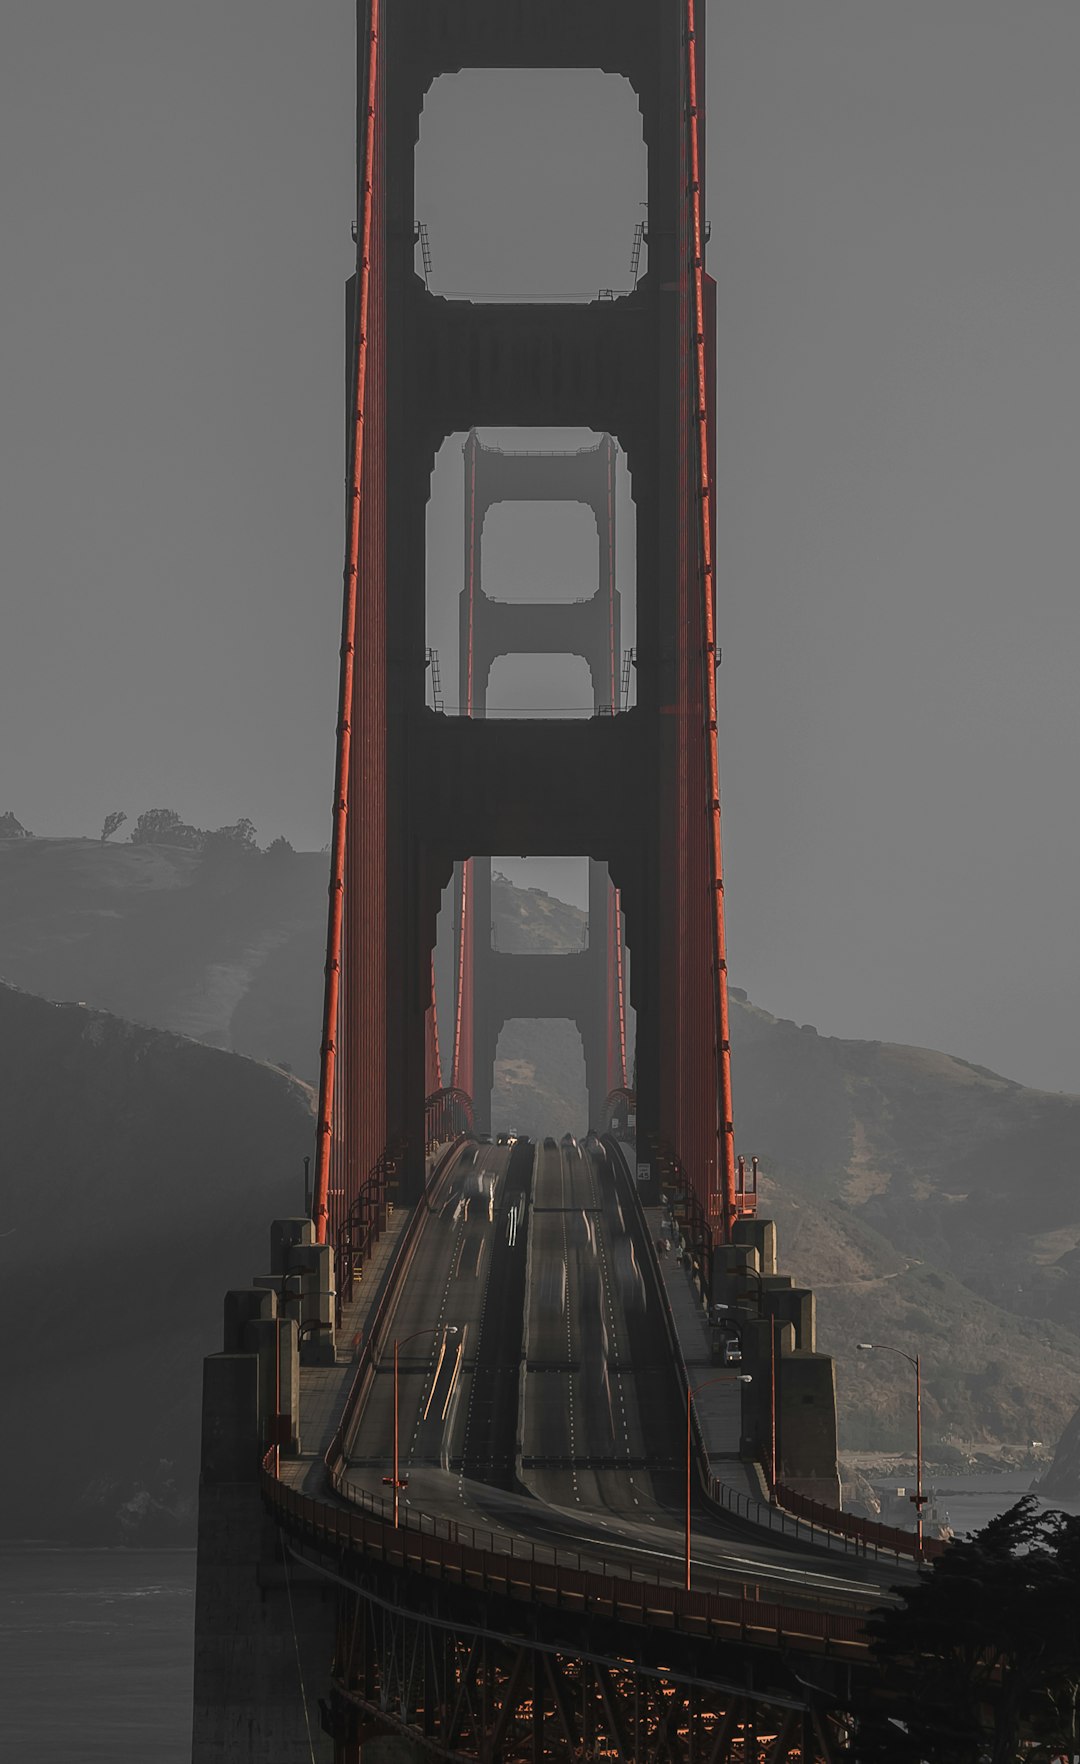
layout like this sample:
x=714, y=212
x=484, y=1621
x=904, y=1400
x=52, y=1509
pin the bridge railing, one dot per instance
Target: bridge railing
x=447, y=1115
x=620, y=1111
x=361, y=1228
x=418, y=1545
x=875, y=1538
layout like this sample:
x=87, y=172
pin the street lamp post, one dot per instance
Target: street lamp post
x=919, y=1498
x=721, y=1378
x=432, y=1329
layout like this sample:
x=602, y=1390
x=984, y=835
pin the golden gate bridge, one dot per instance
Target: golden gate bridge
x=525, y=1452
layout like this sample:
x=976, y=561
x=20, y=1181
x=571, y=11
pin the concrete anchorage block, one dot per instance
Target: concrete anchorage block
x=232, y=1448
x=244, y=1305
x=276, y=1342
x=285, y=1235
x=305, y=1288
x=758, y=1236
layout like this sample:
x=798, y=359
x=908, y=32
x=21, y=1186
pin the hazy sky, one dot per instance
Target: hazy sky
x=893, y=198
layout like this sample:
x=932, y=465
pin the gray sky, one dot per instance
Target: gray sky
x=894, y=233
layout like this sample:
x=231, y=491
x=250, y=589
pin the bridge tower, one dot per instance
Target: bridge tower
x=492, y=985
x=418, y=792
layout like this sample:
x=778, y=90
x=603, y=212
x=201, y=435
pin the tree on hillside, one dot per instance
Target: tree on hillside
x=164, y=827
x=279, y=848
x=233, y=841
x=979, y=1663
x=10, y=828
x=114, y=820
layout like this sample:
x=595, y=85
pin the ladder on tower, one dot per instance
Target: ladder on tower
x=635, y=251
x=629, y=661
x=425, y=250
x=436, y=681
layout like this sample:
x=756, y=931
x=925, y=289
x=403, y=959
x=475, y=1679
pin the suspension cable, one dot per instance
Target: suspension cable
x=726, y=1147
x=329, y=1048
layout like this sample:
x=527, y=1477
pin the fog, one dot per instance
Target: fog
x=892, y=203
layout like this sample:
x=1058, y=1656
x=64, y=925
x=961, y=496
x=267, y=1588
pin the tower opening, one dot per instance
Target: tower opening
x=530, y=184
x=540, y=1078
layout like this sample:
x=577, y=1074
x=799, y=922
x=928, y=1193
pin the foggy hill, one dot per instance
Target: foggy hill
x=929, y=1202
x=229, y=950
x=140, y=1174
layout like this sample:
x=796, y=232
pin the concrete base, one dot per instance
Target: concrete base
x=394, y=1750
x=254, y=1644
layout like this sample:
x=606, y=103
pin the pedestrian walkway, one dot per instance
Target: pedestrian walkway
x=324, y=1389
x=718, y=1402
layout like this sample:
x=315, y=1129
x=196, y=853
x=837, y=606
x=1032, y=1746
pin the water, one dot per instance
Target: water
x=974, y=1499
x=95, y=1655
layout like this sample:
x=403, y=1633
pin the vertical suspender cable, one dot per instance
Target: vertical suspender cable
x=723, y=1036
x=329, y=1049
x=462, y=1073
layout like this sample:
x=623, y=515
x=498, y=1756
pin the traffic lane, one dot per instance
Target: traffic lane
x=547, y=1412
x=444, y=1288
x=480, y=1217
x=586, y=1419
x=567, y=1407
x=489, y=1408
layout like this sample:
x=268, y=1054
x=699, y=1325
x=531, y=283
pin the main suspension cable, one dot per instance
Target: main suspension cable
x=336, y=915
x=726, y=1133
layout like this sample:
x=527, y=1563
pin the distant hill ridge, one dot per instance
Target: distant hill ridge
x=931, y=1203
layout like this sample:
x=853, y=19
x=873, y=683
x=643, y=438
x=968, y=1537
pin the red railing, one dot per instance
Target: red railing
x=447, y=1115
x=361, y=1228
x=746, y=1191
x=885, y=1537
x=620, y=1108
x=417, y=1546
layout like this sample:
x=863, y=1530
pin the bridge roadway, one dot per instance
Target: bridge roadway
x=554, y=1414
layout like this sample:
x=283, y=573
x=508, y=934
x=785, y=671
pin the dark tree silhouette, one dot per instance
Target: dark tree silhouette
x=980, y=1661
x=239, y=839
x=114, y=820
x=164, y=827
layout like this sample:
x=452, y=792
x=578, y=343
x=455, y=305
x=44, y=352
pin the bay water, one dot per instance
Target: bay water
x=95, y=1655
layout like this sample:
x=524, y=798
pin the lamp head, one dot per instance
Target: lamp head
x=745, y=1377
x=452, y=1329
x=863, y=1347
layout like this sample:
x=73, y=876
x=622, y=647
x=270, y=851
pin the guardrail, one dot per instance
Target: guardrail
x=549, y=1580
x=448, y=1114
x=888, y=1539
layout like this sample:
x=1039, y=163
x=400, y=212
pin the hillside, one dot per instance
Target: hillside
x=228, y=951
x=140, y=1174
x=930, y=1203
